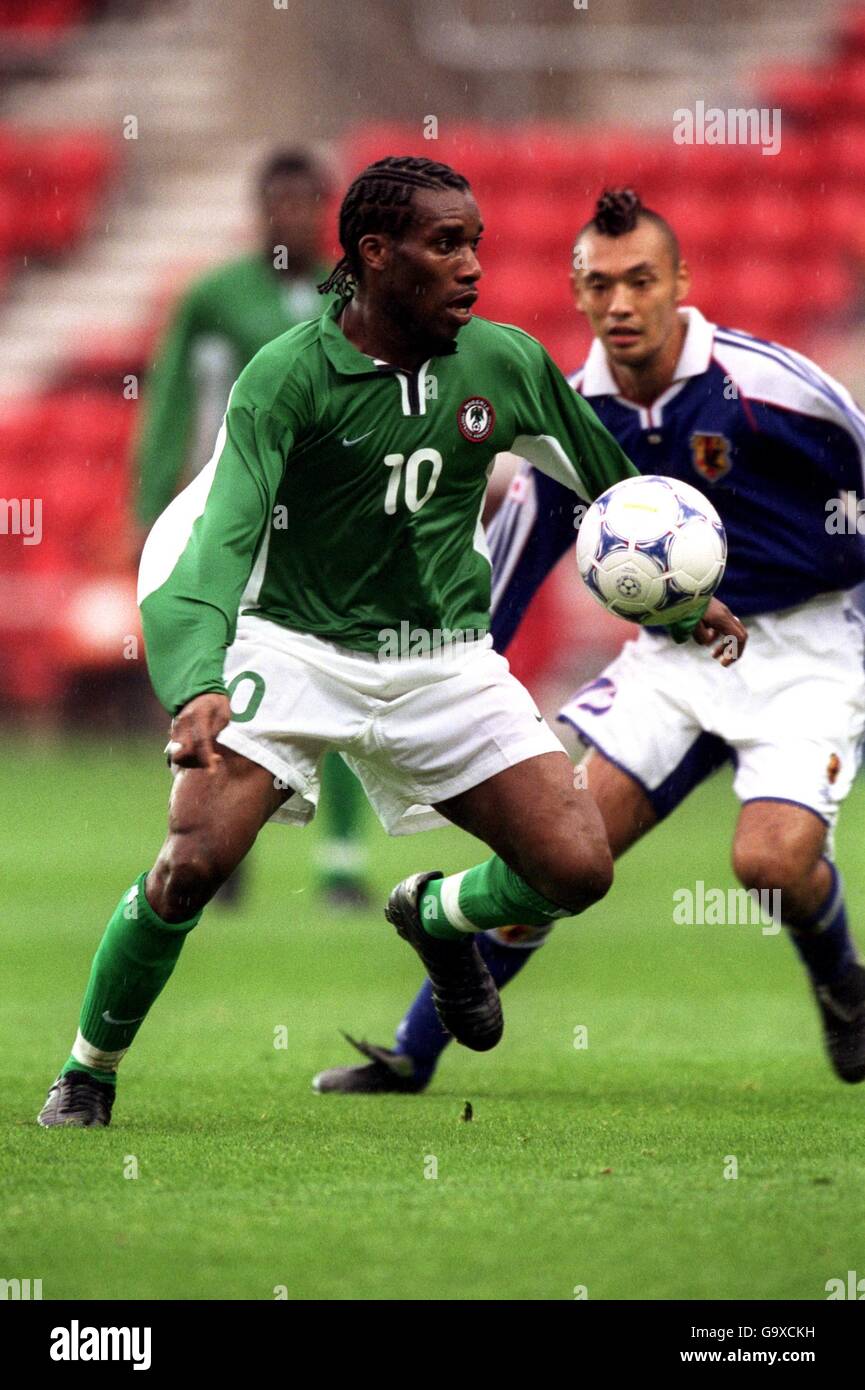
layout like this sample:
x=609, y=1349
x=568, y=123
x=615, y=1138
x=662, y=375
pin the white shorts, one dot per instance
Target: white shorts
x=790, y=714
x=415, y=731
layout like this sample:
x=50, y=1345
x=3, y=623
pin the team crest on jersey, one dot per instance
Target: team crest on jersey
x=710, y=454
x=832, y=769
x=476, y=418
x=597, y=696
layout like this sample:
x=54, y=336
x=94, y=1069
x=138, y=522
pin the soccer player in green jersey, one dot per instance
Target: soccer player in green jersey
x=223, y=319
x=324, y=584
x=218, y=325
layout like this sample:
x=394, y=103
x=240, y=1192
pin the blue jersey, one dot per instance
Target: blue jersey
x=758, y=428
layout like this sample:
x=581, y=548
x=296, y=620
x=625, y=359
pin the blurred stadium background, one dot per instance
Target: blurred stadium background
x=130, y=133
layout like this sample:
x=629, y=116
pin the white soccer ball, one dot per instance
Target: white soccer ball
x=652, y=549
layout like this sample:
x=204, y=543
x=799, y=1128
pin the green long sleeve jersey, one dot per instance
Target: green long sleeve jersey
x=218, y=325
x=344, y=495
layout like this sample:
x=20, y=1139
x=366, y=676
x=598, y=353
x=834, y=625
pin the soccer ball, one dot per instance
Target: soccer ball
x=652, y=549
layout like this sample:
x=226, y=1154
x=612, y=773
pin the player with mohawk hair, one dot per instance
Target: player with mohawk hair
x=343, y=500
x=772, y=453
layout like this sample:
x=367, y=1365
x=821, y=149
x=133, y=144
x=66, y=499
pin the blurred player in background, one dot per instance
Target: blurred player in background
x=218, y=325
x=770, y=438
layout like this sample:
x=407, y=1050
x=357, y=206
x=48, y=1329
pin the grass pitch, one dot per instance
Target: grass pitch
x=600, y=1167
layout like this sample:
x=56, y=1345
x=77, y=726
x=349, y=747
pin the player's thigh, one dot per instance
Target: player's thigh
x=625, y=809
x=546, y=828
x=221, y=812
x=777, y=843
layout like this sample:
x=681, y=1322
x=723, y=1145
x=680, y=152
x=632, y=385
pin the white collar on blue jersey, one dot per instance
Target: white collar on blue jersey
x=694, y=359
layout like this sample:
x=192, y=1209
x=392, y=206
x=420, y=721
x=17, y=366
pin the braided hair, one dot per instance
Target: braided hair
x=380, y=200
x=618, y=210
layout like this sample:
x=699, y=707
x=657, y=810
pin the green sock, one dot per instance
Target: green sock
x=134, y=960
x=489, y=895
x=342, y=855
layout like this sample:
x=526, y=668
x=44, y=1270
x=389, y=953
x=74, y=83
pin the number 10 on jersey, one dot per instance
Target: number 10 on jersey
x=408, y=472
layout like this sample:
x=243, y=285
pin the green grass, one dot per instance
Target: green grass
x=601, y=1167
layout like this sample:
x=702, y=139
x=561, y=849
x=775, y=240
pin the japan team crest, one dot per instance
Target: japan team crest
x=597, y=696
x=710, y=455
x=476, y=418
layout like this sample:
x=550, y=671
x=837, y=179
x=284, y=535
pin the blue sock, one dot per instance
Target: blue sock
x=824, y=943
x=421, y=1036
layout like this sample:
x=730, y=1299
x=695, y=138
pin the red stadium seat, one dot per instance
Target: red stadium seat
x=713, y=170
x=851, y=32
x=81, y=160
x=798, y=163
x=703, y=223
x=580, y=163
x=848, y=85
x=526, y=292
x=806, y=95
x=39, y=18
x=484, y=154
x=10, y=154
x=844, y=152
x=49, y=224
x=829, y=288
x=71, y=451
x=8, y=222
x=757, y=283
x=109, y=359
x=48, y=188
x=838, y=219
x=568, y=342
x=540, y=225
x=770, y=220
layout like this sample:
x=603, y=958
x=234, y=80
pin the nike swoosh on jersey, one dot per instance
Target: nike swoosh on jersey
x=109, y=1019
x=346, y=443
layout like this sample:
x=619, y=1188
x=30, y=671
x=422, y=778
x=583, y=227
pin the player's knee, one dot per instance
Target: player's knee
x=596, y=877
x=186, y=876
x=579, y=878
x=769, y=867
